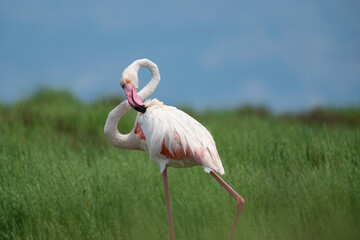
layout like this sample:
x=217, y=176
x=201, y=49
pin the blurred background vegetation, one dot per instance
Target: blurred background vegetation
x=60, y=178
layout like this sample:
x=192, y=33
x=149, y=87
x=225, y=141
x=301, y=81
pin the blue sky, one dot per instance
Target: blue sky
x=288, y=55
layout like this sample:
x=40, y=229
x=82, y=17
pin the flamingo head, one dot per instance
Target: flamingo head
x=129, y=82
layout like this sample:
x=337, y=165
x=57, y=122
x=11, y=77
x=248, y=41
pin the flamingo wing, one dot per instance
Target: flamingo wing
x=172, y=134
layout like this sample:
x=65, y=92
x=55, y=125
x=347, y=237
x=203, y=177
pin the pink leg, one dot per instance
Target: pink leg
x=168, y=208
x=239, y=201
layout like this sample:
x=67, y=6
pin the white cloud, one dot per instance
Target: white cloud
x=255, y=91
x=314, y=100
x=240, y=49
x=299, y=38
x=250, y=90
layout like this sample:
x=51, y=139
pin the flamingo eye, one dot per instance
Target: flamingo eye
x=127, y=81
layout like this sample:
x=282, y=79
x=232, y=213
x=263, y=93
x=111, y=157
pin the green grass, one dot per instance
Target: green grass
x=60, y=178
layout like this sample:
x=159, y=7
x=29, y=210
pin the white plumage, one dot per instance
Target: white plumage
x=184, y=140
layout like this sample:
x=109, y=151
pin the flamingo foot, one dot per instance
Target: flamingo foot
x=239, y=201
x=168, y=207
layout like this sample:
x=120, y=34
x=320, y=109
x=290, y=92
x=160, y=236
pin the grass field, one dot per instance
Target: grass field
x=60, y=178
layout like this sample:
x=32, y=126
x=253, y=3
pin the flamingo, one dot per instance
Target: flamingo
x=171, y=137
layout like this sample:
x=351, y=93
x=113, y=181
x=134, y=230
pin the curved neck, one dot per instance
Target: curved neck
x=155, y=76
x=130, y=141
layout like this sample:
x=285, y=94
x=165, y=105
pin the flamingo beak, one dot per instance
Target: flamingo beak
x=134, y=99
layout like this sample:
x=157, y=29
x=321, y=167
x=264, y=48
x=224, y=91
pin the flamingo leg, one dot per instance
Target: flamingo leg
x=168, y=207
x=239, y=201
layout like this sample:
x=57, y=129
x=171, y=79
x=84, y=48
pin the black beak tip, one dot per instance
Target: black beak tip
x=141, y=108
x=137, y=107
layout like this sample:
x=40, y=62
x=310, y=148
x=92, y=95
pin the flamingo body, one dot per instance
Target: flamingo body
x=173, y=138
x=167, y=134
